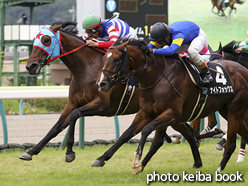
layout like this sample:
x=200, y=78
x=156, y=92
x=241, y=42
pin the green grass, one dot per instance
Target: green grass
x=49, y=168
x=218, y=29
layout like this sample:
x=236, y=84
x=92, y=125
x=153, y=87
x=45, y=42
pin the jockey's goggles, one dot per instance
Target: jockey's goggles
x=92, y=31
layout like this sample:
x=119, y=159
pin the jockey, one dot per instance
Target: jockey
x=106, y=32
x=242, y=46
x=180, y=36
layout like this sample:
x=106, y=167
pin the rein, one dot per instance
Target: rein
x=163, y=75
x=65, y=54
x=72, y=51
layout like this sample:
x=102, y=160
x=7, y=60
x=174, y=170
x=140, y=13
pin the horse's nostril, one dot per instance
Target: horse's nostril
x=103, y=84
x=32, y=66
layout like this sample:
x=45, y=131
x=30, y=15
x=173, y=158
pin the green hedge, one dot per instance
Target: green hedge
x=35, y=105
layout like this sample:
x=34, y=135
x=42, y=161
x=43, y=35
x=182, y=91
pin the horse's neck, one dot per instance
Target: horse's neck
x=81, y=62
x=80, y=58
x=151, y=72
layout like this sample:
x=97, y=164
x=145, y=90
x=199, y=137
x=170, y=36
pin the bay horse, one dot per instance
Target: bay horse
x=168, y=95
x=84, y=98
x=221, y=6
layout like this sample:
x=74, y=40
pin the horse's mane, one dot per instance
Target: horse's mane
x=137, y=43
x=132, y=42
x=68, y=27
x=229, y=47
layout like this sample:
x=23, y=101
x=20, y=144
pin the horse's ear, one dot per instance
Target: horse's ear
x=56, y=28
x=220, y=48
x=210, y=49
x=125, y=43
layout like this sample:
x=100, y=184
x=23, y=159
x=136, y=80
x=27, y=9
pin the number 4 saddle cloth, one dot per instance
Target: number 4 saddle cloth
x=221, y=84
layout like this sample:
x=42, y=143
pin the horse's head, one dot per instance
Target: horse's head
x=114, y=62
x=46, y=45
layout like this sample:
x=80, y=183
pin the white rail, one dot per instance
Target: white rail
x=34, y=92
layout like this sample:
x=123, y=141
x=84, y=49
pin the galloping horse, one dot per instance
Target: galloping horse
x=84, y=98
x=168, y=95
x=221, y=6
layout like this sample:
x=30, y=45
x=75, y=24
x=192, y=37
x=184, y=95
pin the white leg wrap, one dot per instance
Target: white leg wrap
x=241, y=155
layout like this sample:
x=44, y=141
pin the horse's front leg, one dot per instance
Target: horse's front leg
x=60, y=125
x=157, y=142
x=91, y=109
x=164, y=120
x=137, y=125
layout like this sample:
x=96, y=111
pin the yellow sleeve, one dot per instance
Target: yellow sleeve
x=178, y=41
x=154, y=43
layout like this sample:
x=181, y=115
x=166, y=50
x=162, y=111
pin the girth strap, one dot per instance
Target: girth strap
x=126, y=98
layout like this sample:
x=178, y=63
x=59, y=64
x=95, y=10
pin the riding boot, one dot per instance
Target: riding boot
x=205, y=75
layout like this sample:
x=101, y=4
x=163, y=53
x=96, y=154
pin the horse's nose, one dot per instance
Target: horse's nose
x=101, y=86
x=32, y=66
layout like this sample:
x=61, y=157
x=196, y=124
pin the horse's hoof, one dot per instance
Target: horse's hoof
x=196, y=166
x=98, y=163
x=137, y=170
x=219, y=169
x=240, y=158
x=175, y=140
x=26, y=157
x=218, y=147
x=70, y=157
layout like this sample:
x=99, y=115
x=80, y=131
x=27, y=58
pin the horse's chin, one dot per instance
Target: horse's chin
x=103, y=89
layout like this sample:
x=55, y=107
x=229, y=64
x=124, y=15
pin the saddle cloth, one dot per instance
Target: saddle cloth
x=220, y=85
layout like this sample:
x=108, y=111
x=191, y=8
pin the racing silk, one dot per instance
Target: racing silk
x=111, y=31
x=244, y=44
x=182, y=32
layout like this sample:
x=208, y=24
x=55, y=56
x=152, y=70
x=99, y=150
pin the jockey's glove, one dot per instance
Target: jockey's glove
x=147, y=49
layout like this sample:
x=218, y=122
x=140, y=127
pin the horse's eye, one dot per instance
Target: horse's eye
x=46, y=40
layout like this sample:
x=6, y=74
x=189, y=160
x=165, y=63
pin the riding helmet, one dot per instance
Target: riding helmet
x=91, y=21
x=159, y=32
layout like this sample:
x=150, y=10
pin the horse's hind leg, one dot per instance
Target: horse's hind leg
x=196, y=126
x=60, y=125
x=242, y=145
x=231, y=140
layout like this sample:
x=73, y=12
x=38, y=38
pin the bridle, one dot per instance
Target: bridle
x=122, y=64
x=222, y=55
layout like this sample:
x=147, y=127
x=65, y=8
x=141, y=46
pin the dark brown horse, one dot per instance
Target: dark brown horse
x=168, y=96
x=221, y=6
x=84, y=98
